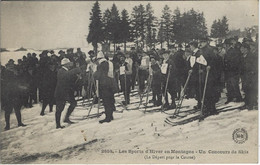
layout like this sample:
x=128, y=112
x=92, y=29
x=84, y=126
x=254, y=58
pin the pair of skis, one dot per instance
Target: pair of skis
x=199, y=114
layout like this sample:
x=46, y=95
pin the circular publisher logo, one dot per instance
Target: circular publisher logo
x=240, y=135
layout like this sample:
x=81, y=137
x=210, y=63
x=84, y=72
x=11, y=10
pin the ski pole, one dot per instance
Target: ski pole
x=97, y=85
x=183, y=94
x=199, y=98
x=166, y=86
x=142, y=94
x=92, y=83
x=204, y=91
x=148, y=90
x=125, y=89
x=136, y=76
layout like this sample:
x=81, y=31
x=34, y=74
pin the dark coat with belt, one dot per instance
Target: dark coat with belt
x=63, y=89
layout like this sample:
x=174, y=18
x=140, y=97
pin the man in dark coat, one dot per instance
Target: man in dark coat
x=156, y=82
x=11, y=94
x=169, y=74
x=196, y=80
x=232, y=67
x=250, y=74
x=64, y=91
x=48, y=86
x=106, y=92
x=181, y=71
x=211, y=94
x=134, y=57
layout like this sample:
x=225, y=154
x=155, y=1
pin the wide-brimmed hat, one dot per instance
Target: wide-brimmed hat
x=65, y=61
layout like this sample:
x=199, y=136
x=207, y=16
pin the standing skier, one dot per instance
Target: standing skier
x=156, y=82
x=125, y=72
x=106, y=87
x=209, y=60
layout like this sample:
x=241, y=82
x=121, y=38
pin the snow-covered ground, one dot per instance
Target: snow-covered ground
x=133, y=137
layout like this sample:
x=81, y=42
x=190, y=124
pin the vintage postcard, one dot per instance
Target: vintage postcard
x=129, y=82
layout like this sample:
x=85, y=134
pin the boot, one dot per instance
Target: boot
x=105, y=120
x=67, y=120
x=51, y=107
x=166, y=106
x=7, y=127
x=59, y=126
x=7, y=121
x=57, y=118
x=21, y=125
x=172, y=106
x=42, y=113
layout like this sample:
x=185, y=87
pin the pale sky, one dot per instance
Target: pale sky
x=58, y=24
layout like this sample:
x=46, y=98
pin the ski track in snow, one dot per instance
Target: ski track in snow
x=41, y=142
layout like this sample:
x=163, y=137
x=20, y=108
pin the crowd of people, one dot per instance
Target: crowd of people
x=57, y=79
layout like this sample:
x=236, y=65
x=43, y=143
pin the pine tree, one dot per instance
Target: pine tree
x=125, y=28
x=95, y=34
x=176, y=25
x=166, y=24
x=138, y=24
x=224, y=26
x=150, y=26
x=188, y=26
x=219, y=29
x=106, y=19
x=114, y=26
x=161, y=34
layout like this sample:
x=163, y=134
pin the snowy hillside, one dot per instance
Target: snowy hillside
x=132, y=137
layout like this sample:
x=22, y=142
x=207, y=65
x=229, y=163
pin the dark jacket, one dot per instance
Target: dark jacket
x=232, y=62
x=12, y=88
x=49, y=84
x=249, y=70
x=106, y=84
x=179, y=63
x=157, y=75
x=63, y=88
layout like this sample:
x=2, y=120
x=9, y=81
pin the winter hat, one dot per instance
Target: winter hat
x=100, y=55
x=65, y=61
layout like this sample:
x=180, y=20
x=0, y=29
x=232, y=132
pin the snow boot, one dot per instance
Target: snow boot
x=21, y=125
x=172, y=106
x=7, y=127
x=106, y=120
x=166, y=106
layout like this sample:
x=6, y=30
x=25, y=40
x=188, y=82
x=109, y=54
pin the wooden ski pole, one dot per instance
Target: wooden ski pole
x=183, y=94
x=204, y=91
x=125, y=89
x=199, y=85
x=92, y=83
x=148, y=90
x=166, y=86
x=142, y=94
x=98, y=96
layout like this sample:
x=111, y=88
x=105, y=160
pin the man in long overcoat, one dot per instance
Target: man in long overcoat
x=64, y=90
